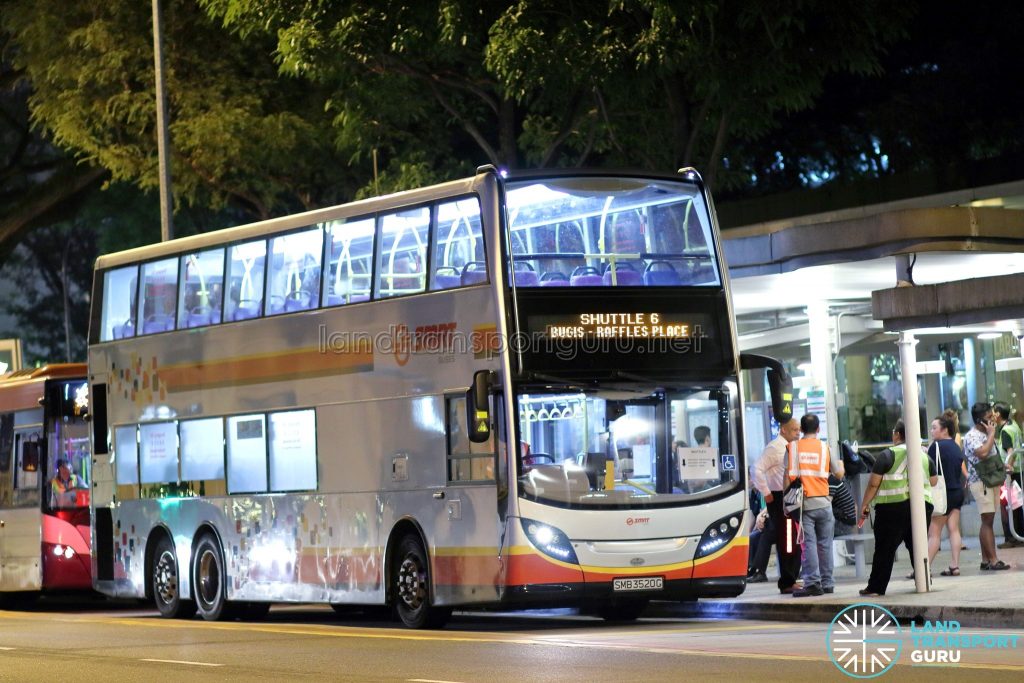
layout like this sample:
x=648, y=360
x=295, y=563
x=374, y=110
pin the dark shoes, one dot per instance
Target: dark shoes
x=996, y=566
x=1010, y=543
x=868, y=593
x=788, y=590
x=808, y=591
x=757, y=577
x=829, y=590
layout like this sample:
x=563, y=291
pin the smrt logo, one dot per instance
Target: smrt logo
x=630, y=521
x=864, y=640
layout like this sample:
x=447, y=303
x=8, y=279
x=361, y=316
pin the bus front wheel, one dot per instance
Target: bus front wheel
x=411, y=576
x=166, y=587
x=208, y=579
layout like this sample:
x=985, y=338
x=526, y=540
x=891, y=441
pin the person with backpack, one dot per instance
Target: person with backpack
x=985, y=476
x=1009, y=443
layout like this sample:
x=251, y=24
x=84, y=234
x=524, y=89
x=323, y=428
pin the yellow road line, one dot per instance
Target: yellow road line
x=467, y=637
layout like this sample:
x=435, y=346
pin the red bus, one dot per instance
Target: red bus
x=45, y=475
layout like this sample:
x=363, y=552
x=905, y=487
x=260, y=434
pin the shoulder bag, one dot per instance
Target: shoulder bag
x=991, y=470
x=939, y=490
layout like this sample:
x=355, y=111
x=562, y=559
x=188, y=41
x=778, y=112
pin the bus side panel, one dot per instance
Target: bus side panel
x=20, y=543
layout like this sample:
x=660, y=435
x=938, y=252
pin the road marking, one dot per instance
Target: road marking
x=428, y=680
x=180, y=661
x=7, y=648
x=465, y=637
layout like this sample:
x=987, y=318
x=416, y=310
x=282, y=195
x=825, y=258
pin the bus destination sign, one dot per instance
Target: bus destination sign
x=645, y=325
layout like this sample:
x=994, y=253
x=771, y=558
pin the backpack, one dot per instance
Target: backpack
x=991, y=470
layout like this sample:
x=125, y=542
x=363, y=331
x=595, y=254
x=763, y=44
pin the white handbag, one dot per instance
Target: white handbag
x=939, y=502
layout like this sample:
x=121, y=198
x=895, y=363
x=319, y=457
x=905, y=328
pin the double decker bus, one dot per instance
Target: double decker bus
x=44, y=480
x=487, y=392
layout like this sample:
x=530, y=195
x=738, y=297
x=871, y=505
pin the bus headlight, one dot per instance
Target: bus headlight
x=549, y=540
x=718, y=534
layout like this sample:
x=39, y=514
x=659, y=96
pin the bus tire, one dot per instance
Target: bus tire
x=622, y=610
x=411, y=581
x=165, y=582
x=209, y=585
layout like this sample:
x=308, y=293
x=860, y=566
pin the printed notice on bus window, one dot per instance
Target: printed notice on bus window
x=697, y=463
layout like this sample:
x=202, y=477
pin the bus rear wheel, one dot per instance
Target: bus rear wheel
x=208, y=579
x=411, y=576
x=165, y=584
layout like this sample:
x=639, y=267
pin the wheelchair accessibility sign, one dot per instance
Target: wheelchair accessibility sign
x=728, y=463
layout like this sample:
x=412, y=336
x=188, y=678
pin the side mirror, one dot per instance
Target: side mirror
x=780, y=384
x=478, y=406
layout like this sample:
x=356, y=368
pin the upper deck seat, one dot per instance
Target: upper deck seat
x=297, y=301
x=358, y=298
x=661, y=274
x=625, y=276
x=585, y=276
x=526, y=278
x=157, y=323
x=447, y=277
x=198, y=317
x=124, y=331
x=246, y=310
x=554, y=279
x=474, y=273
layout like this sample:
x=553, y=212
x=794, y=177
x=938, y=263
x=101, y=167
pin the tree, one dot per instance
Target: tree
x=242, y=136
x=648, y=83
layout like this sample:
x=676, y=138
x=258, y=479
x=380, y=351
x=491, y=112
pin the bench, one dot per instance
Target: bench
x=858, y=550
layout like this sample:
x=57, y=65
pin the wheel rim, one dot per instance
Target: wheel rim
x=412, y=583
x=208, y=578
x=165, y=577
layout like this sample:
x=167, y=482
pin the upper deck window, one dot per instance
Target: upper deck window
x=159, y=295
x=349, y=271
x=246, y=263
x=295, y=271
x=610, y=232
x=403, y=252
x=459, y=258
x=119, y=309
x=201, y=290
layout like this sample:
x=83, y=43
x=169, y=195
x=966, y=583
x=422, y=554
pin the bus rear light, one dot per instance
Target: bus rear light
x=717, y=535
x=65, y=551
x=549, y=540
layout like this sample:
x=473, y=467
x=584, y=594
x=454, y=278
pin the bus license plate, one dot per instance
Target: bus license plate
x=642, y=583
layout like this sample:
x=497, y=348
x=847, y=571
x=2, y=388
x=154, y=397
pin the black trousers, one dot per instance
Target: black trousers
x=908, y=540
x=761, y=543
x=1018, y=514
x=892, y=526
x=789, y=561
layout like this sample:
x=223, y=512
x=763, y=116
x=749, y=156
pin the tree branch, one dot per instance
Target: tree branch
x=567, y=126
x=473, y=131
x=611, y=132
x=695, y=130
x=716, y=151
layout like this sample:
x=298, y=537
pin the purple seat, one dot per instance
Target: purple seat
x=473, y=273
x=124, y=331
x=296, y=304
x=585, y=276
x=526, y=278
x=661, y=274
x=198, y=319
x=157, y=323
x=449, y=279
x=554, y=279
x=246, y=311
x=625, y=276
x=358, y=298
x=335, y=300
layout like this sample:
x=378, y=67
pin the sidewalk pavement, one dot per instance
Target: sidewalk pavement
x=976, y=598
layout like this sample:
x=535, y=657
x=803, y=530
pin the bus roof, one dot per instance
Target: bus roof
x=22, y=389
x=362, y=207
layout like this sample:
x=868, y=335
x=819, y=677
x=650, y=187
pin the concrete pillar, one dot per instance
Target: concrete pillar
x=971, y=370
x=912, y=422
x=822, y=369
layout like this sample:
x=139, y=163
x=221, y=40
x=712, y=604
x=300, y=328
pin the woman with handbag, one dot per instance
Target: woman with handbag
x=949, y=460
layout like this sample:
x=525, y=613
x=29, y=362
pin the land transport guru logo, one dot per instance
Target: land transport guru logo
x=864, y=640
